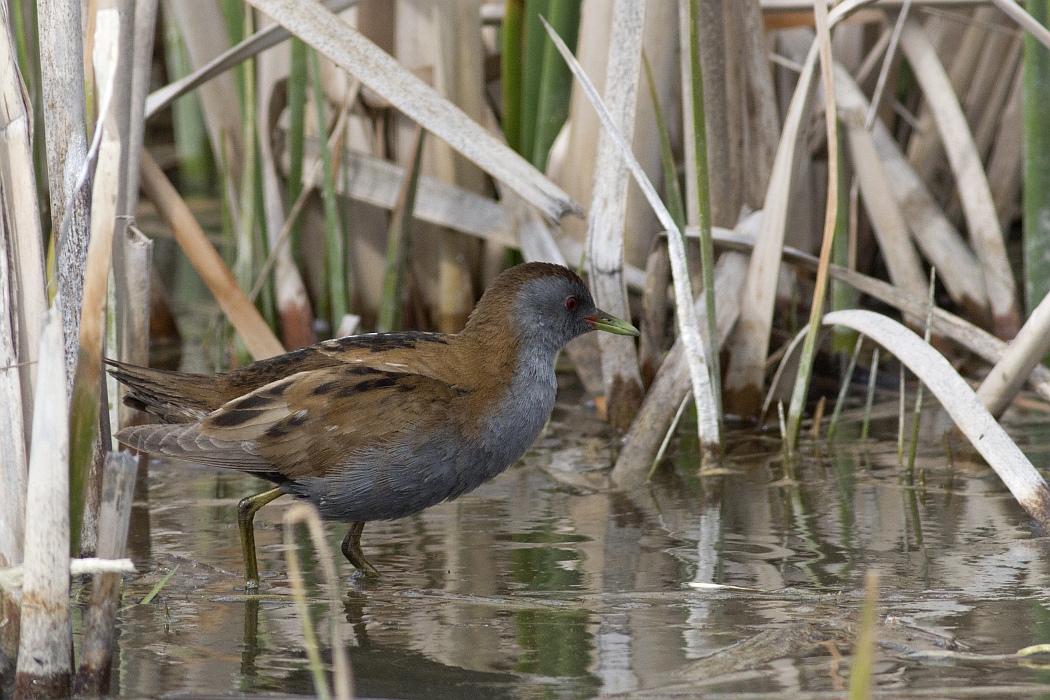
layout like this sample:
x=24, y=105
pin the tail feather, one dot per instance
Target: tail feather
x=174, y=397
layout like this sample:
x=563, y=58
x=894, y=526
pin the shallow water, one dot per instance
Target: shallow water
x=545, y=583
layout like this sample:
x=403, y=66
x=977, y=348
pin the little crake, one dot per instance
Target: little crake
x=379, y=426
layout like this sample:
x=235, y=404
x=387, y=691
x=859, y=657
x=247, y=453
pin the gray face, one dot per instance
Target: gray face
x=551, y=311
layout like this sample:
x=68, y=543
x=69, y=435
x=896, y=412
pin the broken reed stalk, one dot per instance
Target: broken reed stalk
x=45, y=646
x=306, y=514
x=96, y=651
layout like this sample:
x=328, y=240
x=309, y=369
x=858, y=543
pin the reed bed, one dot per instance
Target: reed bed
x=718, y=180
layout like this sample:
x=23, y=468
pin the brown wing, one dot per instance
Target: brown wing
x=308, y=423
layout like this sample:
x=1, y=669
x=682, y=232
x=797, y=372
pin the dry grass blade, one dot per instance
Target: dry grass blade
x=258, y=338
x=306, y=514
x=974, y=191
x=1024, y=20
x=364, y=60
x=961, y=403
x=691, y=338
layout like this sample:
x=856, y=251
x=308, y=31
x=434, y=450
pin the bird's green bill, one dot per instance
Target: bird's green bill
x=610, y=324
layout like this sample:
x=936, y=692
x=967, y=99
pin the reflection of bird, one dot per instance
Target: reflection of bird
x=378, y=426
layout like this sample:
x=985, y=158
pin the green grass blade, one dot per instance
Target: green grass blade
x=831, y=214
x=511, y=56
x=552, y=102
x=532, y=72
x=399, y=239
x=1036, y=198
x=707, y=250
x=672, y=188
x=297, y=79
x=160, y=584
x=338, y=304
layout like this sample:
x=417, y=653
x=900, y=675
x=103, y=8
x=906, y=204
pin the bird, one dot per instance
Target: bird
x=382, y=425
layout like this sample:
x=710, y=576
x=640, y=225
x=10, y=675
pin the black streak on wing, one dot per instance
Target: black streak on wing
x=379, y=342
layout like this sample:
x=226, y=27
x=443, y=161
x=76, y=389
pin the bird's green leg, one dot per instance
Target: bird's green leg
x=246, y=510
x=351, y=549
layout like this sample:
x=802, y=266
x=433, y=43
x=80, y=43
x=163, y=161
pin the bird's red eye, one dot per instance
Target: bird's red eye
x=571, y=303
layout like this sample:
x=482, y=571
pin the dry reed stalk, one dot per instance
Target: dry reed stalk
x=96, y=650
x=133, y=252
x=18, y=201
x=574, y=167
x=762, y=119
x=240, y=311
x=62, y=73
x=925, y=150
x=109, y=143
x=749, y=345
x=605, y=233
x=990, y=87
x=884, y=212
x=378, y=182
x=708, y=414
x=253, y=46
x=970, y=178
x=459, y=75
x=1005, y=164
x=671, y=385
x=654, y=311
x=45, y=648
x=13, y=468
x=1022, y=354
x=722, y=111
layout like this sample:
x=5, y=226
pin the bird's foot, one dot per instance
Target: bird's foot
x=351, y=548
